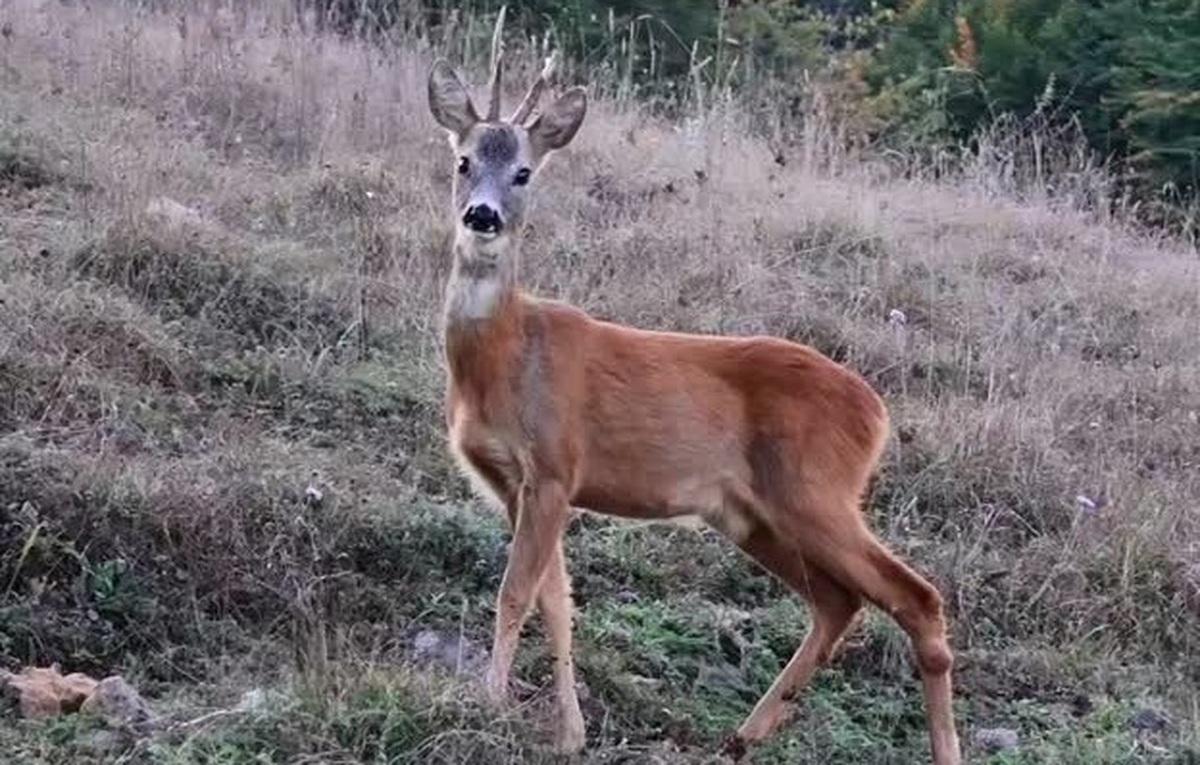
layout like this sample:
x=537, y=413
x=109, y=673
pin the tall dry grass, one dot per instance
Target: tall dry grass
x=236, y=197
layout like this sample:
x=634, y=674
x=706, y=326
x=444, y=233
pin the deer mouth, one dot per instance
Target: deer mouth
x=486, y=243
x=486, y=236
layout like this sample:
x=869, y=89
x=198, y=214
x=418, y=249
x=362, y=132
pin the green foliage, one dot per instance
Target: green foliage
x=1157, y=89
x=784, y=38
x=938, y=72
x=1128, y=71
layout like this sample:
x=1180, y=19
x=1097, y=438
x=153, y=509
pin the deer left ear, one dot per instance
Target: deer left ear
x=555, y=127
x=449, y=101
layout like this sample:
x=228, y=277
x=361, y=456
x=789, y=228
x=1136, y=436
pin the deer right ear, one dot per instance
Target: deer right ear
x=449, y=101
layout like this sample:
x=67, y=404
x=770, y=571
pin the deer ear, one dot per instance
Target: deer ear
x=449, y=101
x=555, y=127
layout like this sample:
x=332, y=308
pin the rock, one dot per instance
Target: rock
x=722, y=676
x=43, y=692
x=993, y=740
x=626, y=595
x=637, y=681
x=256, y=701
x=117, y=703
x=253, y=700
x=1148, y=720
x=16, y=448
x=450, y=651
x=104, y=744
x=1081, y=705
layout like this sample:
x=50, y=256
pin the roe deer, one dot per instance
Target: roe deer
x=768, y=441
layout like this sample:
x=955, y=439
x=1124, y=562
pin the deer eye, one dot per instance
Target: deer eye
x=464, y=165
x=522, y=177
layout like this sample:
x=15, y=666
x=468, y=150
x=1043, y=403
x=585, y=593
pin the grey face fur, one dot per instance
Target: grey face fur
x=491, y=177
x=495, y=161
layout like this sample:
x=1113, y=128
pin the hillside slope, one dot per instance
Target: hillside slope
x=222, y=465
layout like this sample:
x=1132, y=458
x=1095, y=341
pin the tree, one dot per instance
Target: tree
x=1157, y=94
x=1127, y=70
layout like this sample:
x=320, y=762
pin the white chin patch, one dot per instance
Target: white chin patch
x=466, y=234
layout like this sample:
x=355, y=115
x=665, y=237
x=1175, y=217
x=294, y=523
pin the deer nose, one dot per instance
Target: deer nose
x=483, y=219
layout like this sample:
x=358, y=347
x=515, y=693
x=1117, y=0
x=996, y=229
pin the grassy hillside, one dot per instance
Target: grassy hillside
x=223, y=469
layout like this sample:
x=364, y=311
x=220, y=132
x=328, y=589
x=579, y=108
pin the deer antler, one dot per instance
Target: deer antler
x=493, y=112
x=535, y=90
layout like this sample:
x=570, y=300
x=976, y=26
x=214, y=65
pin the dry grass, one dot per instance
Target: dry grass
x=222, y=254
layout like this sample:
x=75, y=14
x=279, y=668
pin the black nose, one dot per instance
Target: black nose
x=483, y=219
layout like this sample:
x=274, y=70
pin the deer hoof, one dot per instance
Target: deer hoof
x=569, y=743
x=734, y=747
x=496, y=688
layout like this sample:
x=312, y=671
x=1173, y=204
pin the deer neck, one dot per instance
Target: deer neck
x=482, y=315
x=483, y=283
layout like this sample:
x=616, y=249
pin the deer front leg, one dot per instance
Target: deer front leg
x=554, y=601
x=540, y=518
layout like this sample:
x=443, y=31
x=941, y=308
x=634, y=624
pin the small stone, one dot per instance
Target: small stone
x=16, y=448
x=1148, y=720
x=256, y=701
x=448, y=650
x=626, y=595
x=725, y=677
x=1081, y=705
x=116, y=702
x=425, y=643
x=253, y=700
x=104, y=744
x=993, y=740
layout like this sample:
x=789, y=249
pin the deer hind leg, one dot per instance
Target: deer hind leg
x=554, y=602
x=835, y=610
x=917, y=607
x=850, y=553
x=540, y=518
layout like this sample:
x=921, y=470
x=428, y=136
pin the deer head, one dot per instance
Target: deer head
x=497, y=159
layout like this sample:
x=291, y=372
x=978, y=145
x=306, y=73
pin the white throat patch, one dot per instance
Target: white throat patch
x=484, y=269
x=474, y=297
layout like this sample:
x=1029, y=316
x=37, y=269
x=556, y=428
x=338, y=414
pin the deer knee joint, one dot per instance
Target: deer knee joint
x=934, y=656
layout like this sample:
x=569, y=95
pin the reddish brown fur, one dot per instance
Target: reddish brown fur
x=619, y=413
x=770, y=441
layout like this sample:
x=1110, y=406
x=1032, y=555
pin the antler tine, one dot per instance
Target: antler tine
x=497, y=65
x=535, y=91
